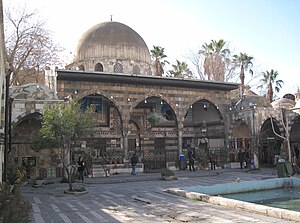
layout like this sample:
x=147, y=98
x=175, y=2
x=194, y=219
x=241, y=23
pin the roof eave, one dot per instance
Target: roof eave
x=90, y=76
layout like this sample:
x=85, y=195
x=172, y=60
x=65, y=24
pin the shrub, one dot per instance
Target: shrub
x=17, y=175
x=202, y=157
x=13, y=208
x=167, y=173
x=81, y=189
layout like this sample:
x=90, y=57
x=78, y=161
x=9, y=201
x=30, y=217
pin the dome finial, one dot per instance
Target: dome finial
x=111, y=18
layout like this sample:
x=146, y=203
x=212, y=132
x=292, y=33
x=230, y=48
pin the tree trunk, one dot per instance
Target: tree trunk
x=270, y=92
x=65, y=161
x=242, y=77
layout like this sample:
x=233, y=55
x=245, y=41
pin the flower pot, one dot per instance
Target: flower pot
x=168, y=178
x=39, y=182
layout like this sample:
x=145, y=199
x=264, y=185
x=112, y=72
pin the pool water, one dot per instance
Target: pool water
x=286, y=198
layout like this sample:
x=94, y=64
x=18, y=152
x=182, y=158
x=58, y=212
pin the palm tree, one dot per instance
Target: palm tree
x=244, y=62
x=215, y=59
x=158, y=54
x=268, y=80
x=180, y=70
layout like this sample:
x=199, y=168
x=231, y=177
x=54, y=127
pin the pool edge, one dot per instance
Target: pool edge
x=236, y=204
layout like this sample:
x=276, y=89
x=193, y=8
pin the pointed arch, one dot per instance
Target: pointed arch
x=99, y=67
x=241, y=130
x=136, y=69
x=165, y=100
x=118, y=67
x=81, y=67
x=108, y=97
x=269, y=141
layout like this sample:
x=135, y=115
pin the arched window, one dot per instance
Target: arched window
x=81, y=67
x=148, y=71
x=118, y=68
x=136, y=69
x=99, y=67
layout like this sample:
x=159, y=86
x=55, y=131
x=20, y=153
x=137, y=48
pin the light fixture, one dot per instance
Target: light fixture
x=145, y=101
x=111, y=97
x=191, y=106
x=161, y=102
x=128, y=99
x=177, y=105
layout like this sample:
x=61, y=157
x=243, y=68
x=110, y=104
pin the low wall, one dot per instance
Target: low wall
x=245, y=186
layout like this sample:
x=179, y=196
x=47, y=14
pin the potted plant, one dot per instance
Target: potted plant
x=167, y=174
x=202, y=158
x=39, y=181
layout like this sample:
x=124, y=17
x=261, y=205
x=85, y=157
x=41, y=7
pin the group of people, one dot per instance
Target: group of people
x=81, y=166
x=191, y=158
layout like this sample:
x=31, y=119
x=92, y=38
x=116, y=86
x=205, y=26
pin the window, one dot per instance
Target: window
x=81, y=67
x=148, y=71
x=92, y=100
x=136, y=69
x=29, y=161
x=118, y=68
x=99, y=67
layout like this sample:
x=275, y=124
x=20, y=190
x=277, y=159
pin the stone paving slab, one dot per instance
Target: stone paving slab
x=113, y=199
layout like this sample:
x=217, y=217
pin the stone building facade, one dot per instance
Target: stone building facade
x=187, y=112
x=263, y=132
x=155, y=117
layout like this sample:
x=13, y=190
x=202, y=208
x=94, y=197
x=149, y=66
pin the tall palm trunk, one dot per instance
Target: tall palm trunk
x=242, y=78
x=270, y=92
x=158, y=68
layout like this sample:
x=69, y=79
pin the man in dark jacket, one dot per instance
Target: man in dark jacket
x=191, y=157
x=241, y=158
x=81, y=167
x=134, y=160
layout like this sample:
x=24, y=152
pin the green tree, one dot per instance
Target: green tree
x=62, y=125
x=243, y=61
x=158, y=54
x=180, y=69
x=268, y=81
x=216, y=59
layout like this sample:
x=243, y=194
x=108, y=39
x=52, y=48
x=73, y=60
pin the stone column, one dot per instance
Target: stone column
x=179, y=133
x=125, y=141
x=180, y=140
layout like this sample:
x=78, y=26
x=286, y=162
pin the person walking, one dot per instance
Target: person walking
x=241, y=158
x=81, y=167
x=212, y=160
x=191, y=157
x=134, y=160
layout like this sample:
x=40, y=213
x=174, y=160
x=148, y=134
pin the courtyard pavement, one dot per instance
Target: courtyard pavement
x=140, y=198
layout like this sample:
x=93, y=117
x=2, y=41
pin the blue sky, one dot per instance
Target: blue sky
x=268, y=30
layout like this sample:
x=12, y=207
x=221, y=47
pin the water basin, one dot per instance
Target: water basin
x=277, y=193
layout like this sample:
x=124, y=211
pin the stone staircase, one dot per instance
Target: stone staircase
x=98, y=171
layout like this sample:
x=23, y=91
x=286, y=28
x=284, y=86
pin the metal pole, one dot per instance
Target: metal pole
x=2, y=97
x=6, y=128
x=2, y=55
